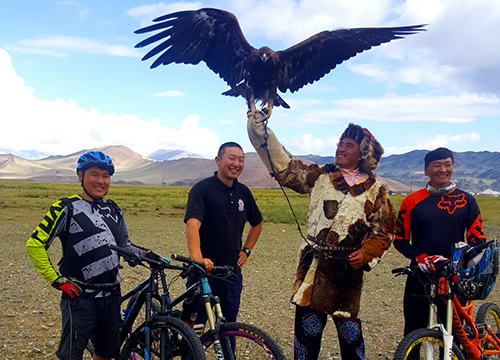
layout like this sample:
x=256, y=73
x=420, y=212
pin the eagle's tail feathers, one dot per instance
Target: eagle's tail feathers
x=278, y=101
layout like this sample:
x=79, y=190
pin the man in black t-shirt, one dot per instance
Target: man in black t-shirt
x=218, y=208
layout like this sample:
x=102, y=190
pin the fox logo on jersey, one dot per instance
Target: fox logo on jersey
x=452, y=202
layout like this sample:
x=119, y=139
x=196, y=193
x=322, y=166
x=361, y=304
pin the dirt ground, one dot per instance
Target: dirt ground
x=30, y=317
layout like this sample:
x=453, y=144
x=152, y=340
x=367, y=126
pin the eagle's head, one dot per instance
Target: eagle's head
x=265, y=53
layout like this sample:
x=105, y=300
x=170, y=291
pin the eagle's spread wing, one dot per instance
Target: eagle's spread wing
x=313, y=58
x=209, y=35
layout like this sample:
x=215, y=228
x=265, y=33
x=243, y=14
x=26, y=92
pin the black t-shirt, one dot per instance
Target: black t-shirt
x=223, y=212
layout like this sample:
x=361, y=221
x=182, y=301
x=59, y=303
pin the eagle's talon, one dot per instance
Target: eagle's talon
x=266, y=112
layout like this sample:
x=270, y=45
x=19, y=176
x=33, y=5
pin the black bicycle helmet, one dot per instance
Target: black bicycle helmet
x=473, y=270
x=95, y=158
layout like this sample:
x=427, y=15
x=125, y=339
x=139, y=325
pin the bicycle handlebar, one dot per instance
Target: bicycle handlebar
x=128, y=255
x=441, y=269
x=201, y=266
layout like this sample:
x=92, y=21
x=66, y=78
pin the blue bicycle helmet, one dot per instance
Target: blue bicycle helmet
x=473, y=270
x=95, y=158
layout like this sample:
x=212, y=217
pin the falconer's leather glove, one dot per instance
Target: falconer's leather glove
x=271, y=152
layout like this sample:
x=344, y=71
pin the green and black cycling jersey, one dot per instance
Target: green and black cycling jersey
x=85, y=230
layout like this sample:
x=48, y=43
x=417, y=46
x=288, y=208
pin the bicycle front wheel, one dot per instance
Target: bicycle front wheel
x=248, y=343
x=489, y=314
x=425, y=344
x=178, y=340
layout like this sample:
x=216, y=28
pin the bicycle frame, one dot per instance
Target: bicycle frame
x=202, y=288
x=458, y=317
x=148, y=290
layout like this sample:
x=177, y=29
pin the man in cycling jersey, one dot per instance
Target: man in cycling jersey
x=217, y=210
x=89, y=280
x=350, y=225
x=430, y=222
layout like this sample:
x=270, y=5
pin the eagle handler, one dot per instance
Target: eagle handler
x=350, y=225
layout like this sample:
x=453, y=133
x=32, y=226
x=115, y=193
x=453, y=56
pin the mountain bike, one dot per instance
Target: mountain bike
x=159, y=335
x=222, y=340
x=460, y=337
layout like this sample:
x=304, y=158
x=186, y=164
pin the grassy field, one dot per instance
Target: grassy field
x=29, y=320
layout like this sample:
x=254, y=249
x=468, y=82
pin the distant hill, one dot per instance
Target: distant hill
x=162, y=155
x=474, y=171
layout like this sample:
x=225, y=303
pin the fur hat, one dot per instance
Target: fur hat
x=371, y=150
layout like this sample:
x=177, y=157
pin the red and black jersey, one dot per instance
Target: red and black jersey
x=434, y=223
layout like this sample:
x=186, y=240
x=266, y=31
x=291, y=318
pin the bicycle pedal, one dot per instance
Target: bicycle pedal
x=199, y=329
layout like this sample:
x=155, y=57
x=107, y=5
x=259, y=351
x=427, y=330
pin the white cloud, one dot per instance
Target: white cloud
x=447, y=140
x=440, y=140
x=61, y=127
x=307, y=144
x=462, y=108
x=55, y=45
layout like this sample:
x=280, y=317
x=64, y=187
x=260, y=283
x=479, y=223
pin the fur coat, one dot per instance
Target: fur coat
x=349, y=217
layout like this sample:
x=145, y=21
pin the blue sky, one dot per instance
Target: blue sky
x=70, y=78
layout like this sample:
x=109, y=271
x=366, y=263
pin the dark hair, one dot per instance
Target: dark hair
x=223, y=147
x=438, y=154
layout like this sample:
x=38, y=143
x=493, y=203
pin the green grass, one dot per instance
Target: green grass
x=171, y=201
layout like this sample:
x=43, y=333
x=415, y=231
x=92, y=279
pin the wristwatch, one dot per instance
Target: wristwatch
x=246, y=251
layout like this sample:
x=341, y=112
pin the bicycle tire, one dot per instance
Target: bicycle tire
x=410, y=348
x=252, y=343
x=489, y=314
x=181, y=343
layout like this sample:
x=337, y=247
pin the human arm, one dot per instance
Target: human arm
x=41, y=239
x=252, y=237
x=193, y=243
x=403, y=231
x=123, y=239
x=475, y=232
x=290, y=173
x=266, y=144
x=381, y=223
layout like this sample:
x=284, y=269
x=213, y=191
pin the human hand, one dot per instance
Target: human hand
x=68, y=285
x=356, y=259
x=427, y=264
x=242, y=258
x=208, y=264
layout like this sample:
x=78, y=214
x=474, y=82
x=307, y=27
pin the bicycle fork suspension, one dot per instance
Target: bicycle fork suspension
x=214, y=324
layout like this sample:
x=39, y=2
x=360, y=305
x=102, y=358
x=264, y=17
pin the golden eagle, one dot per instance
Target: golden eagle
x=215, y=37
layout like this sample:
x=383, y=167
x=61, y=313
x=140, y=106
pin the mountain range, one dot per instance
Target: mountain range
x=474, y=171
